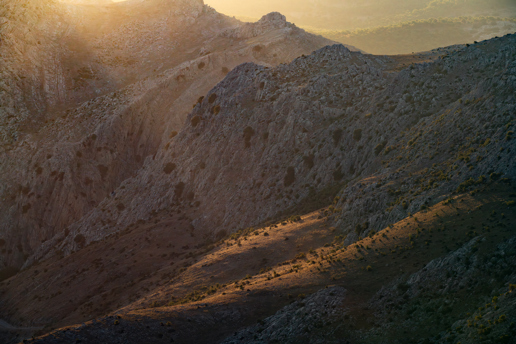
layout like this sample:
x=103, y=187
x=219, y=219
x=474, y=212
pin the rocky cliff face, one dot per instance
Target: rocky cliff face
x=122, y=89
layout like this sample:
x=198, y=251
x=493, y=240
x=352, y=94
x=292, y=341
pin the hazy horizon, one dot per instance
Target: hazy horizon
x=353, y=14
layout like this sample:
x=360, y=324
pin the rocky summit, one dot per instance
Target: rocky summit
x=170, y=174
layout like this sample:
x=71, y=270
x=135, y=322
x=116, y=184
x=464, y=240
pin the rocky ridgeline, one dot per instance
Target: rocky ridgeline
x=124, y=87
x=271, y=140
x=266, y=140
x=249, y=30
x=463, y=130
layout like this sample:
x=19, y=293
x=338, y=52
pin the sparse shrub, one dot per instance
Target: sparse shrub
x=301, y=255
x=169, y=167
x=248, y=134
x=337, y=135
x=357, y=134
x=212, y=98
x=290, y=177
x=358, y=229
x=369, y=268
x=309, y=161
x=225, y=70
x=215, y=110
x=495, y=176
x=389, y=149
x=195, y=121
x=379, y=147
x=470, y=182
x=178, y=190
x=201, y=65
x=26, y=208
x=294, y=218
x=337, y=174
x=80, y=240
x=172, y=134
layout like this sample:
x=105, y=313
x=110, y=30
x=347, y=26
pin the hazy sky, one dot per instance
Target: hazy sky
x=350, y=14
x=246, y=8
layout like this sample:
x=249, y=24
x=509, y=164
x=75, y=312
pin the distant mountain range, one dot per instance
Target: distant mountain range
x=424, y=34
x=355, y=14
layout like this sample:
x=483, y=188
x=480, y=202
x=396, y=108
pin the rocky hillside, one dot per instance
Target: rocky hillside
x=283, y=137
x=85, y=111
x=337, y=198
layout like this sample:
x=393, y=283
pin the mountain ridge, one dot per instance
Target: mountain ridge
x=86, y=149
x=259, y=177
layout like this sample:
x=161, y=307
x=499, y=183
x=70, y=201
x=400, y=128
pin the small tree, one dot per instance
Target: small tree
x=357, y=134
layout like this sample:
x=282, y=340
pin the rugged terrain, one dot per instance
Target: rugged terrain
x=341, y=197
x=80, y=114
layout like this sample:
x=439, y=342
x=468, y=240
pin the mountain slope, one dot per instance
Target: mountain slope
x=284, y=135
x=418, y=149
x=127, y=76
x=371, y=286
